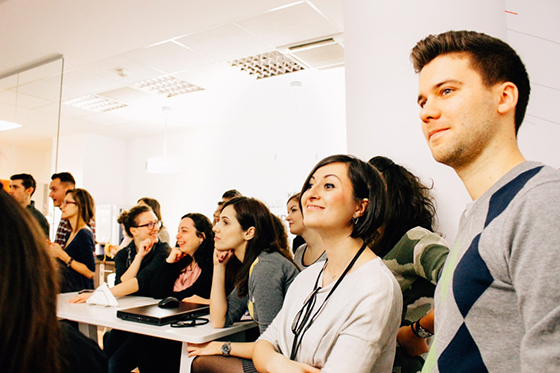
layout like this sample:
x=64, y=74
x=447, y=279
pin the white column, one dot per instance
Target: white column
x=381, y=86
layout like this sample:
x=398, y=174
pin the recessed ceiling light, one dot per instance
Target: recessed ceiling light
x=167, y=86
x=95, y=103
x=5, y=125
x=266, y=65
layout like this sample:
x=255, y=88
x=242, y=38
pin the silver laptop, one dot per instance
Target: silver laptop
x=154, y=315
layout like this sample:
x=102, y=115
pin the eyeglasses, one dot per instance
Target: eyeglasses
x=303, y=314
x=151, y=225
x=190, y=323
x=303, y=319
x=64, y=203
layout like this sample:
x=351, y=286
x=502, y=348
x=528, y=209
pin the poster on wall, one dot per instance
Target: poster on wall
x=5, y=184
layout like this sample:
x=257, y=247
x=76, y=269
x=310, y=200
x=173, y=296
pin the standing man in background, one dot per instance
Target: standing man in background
x=498, y=301
x=22, y=187
x=61, y=183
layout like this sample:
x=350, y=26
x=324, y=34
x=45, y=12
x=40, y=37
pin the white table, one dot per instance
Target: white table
x=91, y=316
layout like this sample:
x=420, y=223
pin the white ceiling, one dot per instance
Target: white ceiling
x=193, y=40
x=187, y=39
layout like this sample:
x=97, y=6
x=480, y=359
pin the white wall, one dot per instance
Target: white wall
x=34, y=161
x=97, y=163
x=262, y=141
x=382, y=114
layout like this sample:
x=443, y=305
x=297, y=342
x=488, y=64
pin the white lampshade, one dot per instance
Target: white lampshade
x=163, y=165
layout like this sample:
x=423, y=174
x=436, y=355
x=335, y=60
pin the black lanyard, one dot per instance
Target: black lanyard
x=299, y=327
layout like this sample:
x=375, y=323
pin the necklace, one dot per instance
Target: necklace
x=304, y=319
x=336, y=275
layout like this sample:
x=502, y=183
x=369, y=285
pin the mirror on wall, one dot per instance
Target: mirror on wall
x=29, y=126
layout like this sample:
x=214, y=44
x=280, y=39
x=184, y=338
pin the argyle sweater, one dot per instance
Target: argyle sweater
x=498, y=300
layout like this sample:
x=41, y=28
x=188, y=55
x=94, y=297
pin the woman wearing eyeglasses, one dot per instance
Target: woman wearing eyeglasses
x=163, y=234
x=137, y=264
x=77, y=262
x=341, y=315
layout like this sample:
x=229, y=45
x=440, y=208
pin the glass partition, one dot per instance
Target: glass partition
x=29, y=126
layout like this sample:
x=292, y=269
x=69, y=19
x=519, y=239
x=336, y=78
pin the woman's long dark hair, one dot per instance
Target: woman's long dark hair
x=409, y=201
x=203, y=228
x=29, y=330
x=269, y=236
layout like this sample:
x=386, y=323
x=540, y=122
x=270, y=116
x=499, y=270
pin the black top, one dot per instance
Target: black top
x=81, y=249
x=148, y=268
x=79, y=353
x=39, y=217
x=164, y=280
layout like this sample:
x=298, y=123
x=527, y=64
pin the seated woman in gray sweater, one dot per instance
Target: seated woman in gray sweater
x=247, y=233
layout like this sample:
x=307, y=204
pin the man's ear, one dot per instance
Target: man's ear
x=362, y=207
x=29, y=191
x=249, y=234
x=508, y=96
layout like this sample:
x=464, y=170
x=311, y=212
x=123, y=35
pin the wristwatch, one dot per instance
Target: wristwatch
x=419, y=331
x=226, y=348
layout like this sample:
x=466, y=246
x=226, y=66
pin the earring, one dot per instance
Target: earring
x=355, y=220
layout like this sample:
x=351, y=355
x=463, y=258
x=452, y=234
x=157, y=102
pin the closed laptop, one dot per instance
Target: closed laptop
x=154, y=315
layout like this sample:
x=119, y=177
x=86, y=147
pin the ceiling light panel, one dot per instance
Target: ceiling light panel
x=95, y=103
x=266, y=65
x=167, y=86
x=6, y=125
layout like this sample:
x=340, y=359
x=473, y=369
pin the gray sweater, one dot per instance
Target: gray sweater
x=498, y=300
x=269, y=278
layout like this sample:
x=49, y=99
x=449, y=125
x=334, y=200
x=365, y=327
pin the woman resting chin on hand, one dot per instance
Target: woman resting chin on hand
x=137, y=263
x=247, y=233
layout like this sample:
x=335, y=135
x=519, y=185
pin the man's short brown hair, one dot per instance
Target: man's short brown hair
x=493, y=59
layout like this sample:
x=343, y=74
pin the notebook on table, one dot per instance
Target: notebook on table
x=154, y=315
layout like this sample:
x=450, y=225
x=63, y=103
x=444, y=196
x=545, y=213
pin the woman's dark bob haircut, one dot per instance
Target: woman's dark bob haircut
x=367, y=183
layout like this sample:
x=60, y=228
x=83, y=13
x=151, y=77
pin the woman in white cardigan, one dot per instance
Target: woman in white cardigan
x=341, y=315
